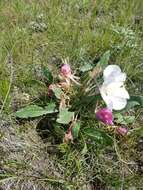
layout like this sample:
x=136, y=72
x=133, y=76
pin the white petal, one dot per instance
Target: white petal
x=112, y=87
x=121, y=93
x=106, y=98
x=115, y=98
x=117, y=90
x=118, y=103
x=112, y=90
x=116, y=77
x=110, y=70
x=121, y=77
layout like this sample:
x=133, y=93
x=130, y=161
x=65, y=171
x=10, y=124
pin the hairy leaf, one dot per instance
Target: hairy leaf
x=58, y=92
x=100, y=65
x=135, y=101
x=123, y=119
x=98, y=136
x=50, y=108
x=65, y=116
x=86, y=67
x=35, y=111
x=75, y=129
x=104, y=60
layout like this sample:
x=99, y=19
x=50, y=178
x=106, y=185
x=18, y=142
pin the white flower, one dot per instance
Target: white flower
x=113, y=90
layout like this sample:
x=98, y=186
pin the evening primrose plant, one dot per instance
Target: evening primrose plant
x=97, y=90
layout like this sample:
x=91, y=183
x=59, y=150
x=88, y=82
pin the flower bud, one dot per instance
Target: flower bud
x=105, y=115
x=50, y=89
x=122, y=131
x=66, y=70
x=68, y=137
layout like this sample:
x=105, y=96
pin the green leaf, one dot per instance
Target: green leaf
x=48, y=75
x=130, y=119
x=124, y=120
x=86, y=67
x=104, y=60
x=131, y=104
x=75, y=129
x=30, y=111
x=58, y=92
x=35, y=111
x=98, y=136
x=135, y=101
x=51, y=108
x=101, y=65
x=65, y=116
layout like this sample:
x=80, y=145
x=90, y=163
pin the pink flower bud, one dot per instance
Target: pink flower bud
x=105, y=115
x=50, y=89
x=68, y=137
x=66, y=70
x=122, y=131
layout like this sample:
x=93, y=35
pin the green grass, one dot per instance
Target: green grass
x=81, y=30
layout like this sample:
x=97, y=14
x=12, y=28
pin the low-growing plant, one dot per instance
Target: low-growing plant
x=72, y=99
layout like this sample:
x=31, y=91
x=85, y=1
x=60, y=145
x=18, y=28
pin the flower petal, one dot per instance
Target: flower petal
x=121, y=93
x=118, y=103
x=116, y=89
x=105, y=115
x=113, y=100
x=122, y=131
x=121, y=77
x=110, y=70
x=116, y=77
x=112, y=90
x=106, y=98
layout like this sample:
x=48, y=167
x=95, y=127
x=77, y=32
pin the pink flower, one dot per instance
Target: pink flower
x=66, y=70
x=105, y=115
x=122, y=131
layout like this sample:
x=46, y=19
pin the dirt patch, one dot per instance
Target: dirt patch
x=25, y=163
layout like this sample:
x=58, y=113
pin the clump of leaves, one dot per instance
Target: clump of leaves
x=68, y=101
